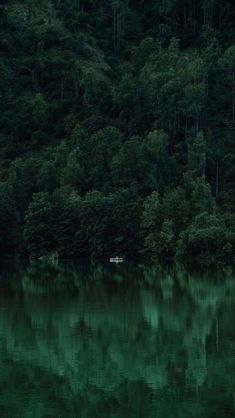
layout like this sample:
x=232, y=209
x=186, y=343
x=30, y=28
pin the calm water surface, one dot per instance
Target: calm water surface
x=115, y=341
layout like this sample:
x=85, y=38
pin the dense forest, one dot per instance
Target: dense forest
x=117, y=128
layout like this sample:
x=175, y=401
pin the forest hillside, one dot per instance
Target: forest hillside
x=117, y=125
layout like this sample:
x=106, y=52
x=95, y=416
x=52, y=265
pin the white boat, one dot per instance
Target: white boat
x=116, y=260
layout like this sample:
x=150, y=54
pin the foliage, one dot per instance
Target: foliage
x=205, y=238
x=117, y=127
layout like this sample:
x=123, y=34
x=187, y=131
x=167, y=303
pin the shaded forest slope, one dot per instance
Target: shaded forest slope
x=117, y=128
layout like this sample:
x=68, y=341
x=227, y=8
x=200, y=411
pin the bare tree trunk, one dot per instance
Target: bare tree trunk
x=118, y=26
x=197, y=122
x=76, y=88
x=217, y=179
x=233, y=96
x=220, y=17
x=119, y=23
x=185, y=19
x=62, y=90
x=114, y=28
x=35, y=81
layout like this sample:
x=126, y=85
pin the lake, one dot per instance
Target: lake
x=116, y=341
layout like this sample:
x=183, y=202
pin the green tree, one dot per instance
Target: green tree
x=38, y=234
x=151, y=223
x=196, y=164
x=206, y=237
x=10, y=227
x=202, y=199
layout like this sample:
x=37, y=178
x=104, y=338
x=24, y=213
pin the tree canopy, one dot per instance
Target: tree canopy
x=117, y=128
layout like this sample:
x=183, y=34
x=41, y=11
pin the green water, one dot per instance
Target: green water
x=116, y=341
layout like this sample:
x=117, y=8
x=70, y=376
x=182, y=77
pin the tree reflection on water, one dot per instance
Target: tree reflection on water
x=101, y=341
